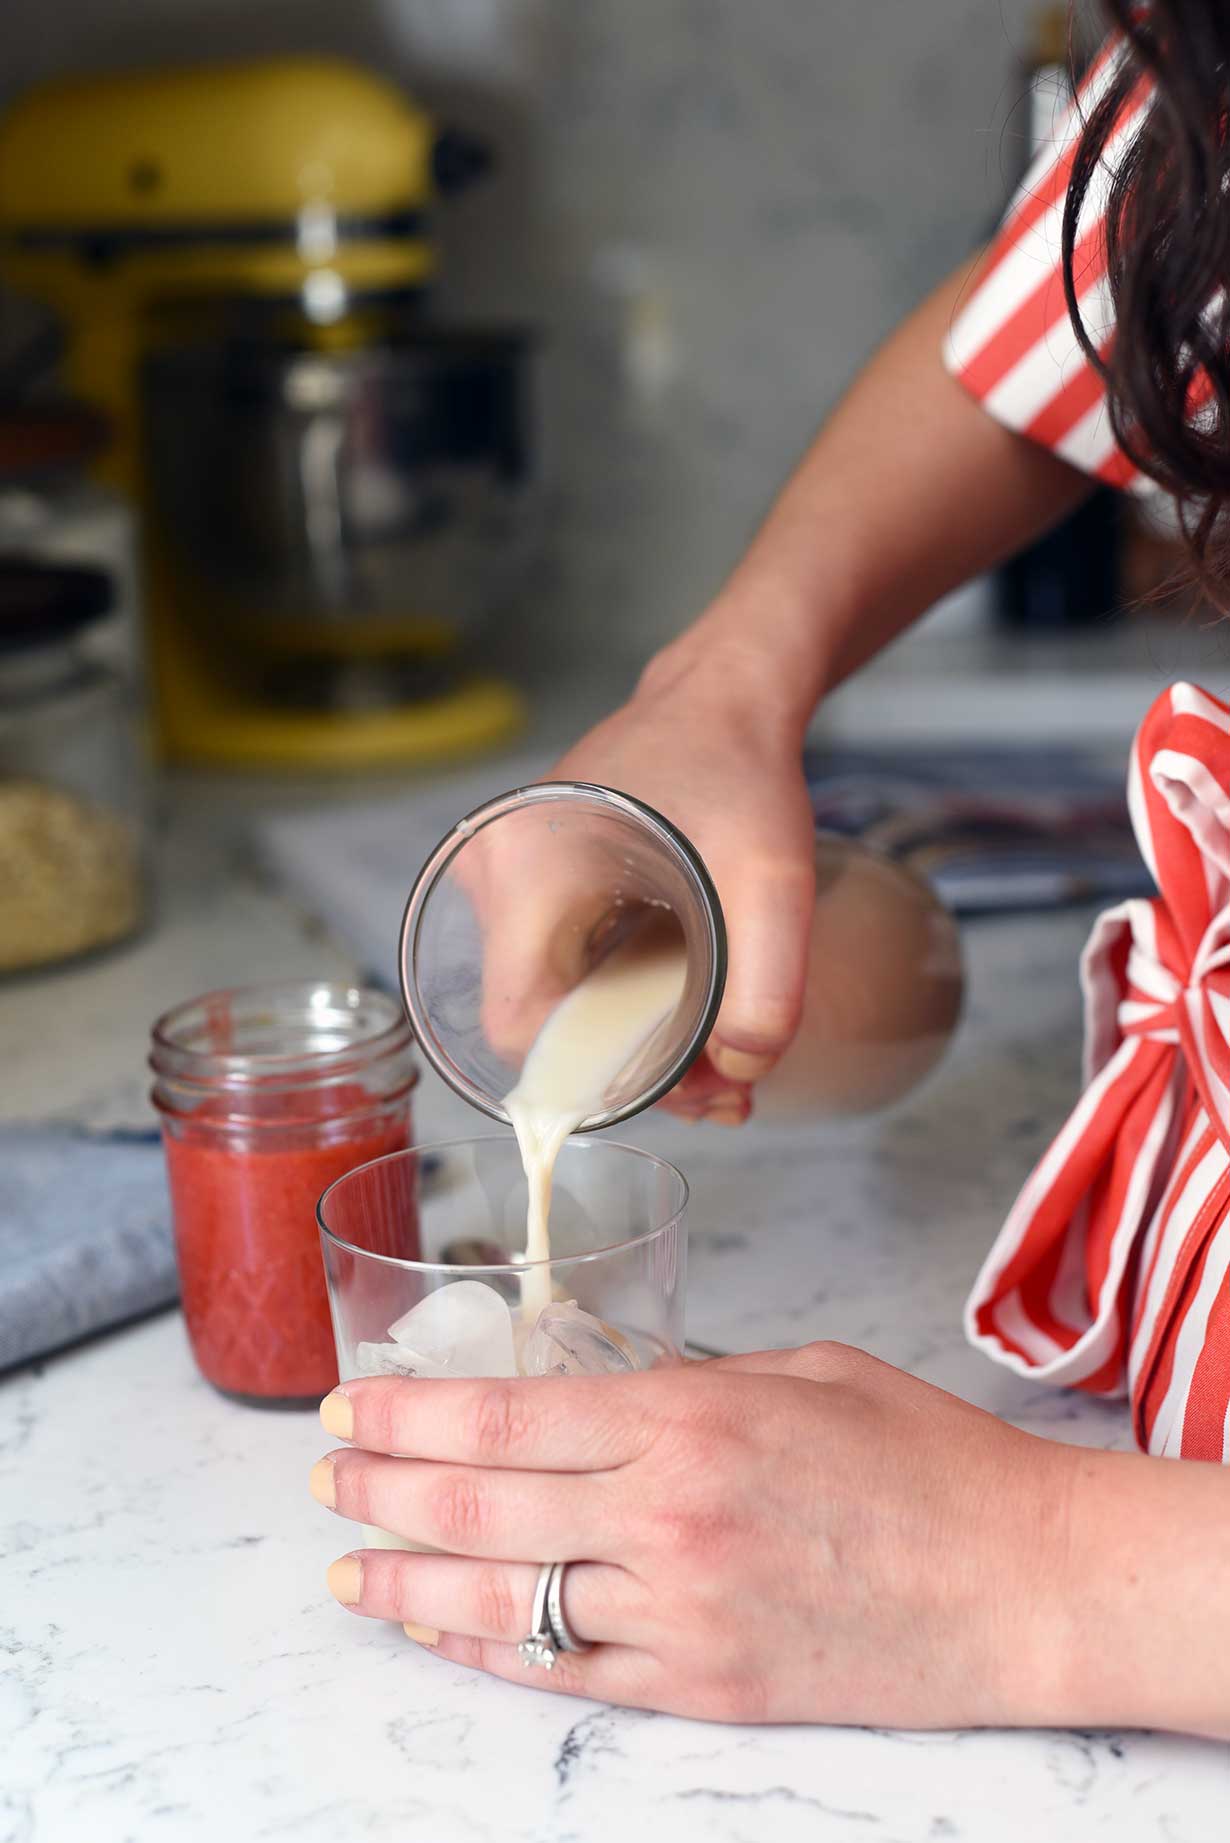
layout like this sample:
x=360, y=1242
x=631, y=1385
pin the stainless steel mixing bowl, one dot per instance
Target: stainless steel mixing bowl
x=340, y=504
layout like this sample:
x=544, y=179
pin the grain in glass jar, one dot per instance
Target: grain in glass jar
x=73, y=786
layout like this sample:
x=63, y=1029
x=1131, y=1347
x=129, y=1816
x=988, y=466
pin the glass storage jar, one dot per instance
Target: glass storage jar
x=52, y=510
x=73, y=780
x=269, y=1094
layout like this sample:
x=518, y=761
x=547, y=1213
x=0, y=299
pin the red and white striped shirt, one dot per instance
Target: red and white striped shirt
x=1012, y=344
x=1112, y=1272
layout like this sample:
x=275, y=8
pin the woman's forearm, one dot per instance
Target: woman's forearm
x=1145, y=1632
x=909, y=490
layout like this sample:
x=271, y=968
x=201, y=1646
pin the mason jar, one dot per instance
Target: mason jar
x=73, y=775
x=269, y=1094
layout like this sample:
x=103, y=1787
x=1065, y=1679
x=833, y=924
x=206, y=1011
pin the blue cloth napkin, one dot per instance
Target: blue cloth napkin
x=85, y=1236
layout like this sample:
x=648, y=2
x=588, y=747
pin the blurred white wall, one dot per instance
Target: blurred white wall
x=712, y=208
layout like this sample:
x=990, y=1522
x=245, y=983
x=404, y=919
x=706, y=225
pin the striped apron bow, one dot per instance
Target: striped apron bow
x=1112, y=1273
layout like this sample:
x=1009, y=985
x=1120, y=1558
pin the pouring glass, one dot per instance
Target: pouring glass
x=519, y=901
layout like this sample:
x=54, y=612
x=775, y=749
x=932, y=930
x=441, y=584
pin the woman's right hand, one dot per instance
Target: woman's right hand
x=712, y=738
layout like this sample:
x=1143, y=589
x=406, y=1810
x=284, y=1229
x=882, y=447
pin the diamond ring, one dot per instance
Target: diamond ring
x=537, y=1649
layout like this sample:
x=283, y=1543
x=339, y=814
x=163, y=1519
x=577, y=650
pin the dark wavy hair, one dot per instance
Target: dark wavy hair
x=1168, y=251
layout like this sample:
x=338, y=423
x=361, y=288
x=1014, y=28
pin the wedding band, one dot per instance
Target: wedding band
x=561, y=1631
x=538, y=1648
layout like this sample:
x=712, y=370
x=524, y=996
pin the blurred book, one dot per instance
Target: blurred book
x=991, y=829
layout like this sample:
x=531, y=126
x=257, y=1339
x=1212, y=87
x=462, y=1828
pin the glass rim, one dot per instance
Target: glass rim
x=177, y=1061
x=455, y=840
x=503, y=1268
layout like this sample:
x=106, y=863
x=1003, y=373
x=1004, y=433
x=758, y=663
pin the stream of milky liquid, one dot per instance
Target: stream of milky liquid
x=584, y=1046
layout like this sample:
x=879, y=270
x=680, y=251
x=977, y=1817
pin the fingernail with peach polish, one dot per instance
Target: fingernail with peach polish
x=422, y=1634
x=345, y=1580
x=740, y=1065
x=322, y=1484
x=337, y=1415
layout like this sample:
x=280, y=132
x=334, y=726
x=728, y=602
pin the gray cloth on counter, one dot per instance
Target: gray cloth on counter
x=85, y=1237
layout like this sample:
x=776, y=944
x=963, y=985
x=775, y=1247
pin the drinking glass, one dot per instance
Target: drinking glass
x=402, y=1228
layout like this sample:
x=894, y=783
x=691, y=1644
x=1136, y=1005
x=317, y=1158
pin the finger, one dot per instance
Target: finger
x=540, y=1423
x=703, y=1094
x=769, y=904
x=538, y=896
x=616, y=1674
x=504, y=1516
x=702, y=1084
x=484, y=1599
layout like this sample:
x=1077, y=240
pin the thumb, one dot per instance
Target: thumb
x=534, y=905
x=769, y=903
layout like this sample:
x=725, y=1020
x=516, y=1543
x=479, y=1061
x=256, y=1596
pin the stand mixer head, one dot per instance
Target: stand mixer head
x=252, y=220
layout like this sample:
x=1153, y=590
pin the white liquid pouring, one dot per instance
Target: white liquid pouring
x=581, y=1051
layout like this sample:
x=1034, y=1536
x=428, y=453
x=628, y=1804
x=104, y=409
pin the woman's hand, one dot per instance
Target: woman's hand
x=713, y=739
x=795, y=1536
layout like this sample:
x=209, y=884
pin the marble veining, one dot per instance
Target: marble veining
x=171, y=1666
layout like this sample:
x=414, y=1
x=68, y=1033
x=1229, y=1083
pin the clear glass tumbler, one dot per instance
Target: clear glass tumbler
x=422, y=1259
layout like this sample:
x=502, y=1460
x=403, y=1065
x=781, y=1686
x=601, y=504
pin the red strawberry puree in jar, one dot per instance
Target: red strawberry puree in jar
x=267, y=1095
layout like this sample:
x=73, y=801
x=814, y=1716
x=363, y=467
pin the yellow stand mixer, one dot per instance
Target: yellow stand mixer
x=333, y=487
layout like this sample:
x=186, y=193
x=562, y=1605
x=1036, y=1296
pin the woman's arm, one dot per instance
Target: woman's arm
x=1145, y=1591
x=908, y=491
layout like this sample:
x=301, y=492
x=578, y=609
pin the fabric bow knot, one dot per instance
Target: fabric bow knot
x=1113, y=1268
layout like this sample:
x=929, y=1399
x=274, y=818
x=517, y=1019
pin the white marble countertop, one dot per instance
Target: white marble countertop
x=172, y=1668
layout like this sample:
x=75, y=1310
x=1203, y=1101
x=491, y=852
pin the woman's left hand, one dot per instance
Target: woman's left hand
x=804, y=1535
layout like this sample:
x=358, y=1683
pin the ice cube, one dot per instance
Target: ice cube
x=566, y=1341
x=463, y=1329
x=395, y=1360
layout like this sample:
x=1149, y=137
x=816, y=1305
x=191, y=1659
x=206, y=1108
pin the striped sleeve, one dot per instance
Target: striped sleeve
x=1012, y=344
